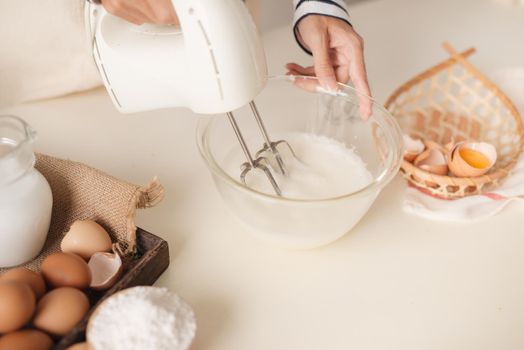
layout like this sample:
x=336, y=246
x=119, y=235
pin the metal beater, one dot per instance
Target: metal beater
x=265, y=155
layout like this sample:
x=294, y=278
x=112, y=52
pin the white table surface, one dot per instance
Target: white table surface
x=394, y=282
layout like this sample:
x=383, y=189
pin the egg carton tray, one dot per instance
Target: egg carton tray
x=151, y=261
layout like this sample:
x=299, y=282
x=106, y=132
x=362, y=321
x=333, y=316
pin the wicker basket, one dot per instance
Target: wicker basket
x=453, y=102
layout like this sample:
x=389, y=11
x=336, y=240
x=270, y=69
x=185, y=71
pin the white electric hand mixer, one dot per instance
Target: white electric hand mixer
x=212, y=63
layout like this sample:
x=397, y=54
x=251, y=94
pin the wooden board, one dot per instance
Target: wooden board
x=152, y=261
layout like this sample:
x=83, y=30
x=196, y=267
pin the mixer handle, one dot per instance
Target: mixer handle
x=213, y=63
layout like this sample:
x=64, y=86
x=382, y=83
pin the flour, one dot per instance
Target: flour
x=323, y=168
x=142, y=318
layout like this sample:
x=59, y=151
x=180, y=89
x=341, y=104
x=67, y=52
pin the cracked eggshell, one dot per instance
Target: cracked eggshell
x=86, y=237
x=413, y=147
x=432, y=160
x=435, y=145
x=460, y=167
x=106, y=269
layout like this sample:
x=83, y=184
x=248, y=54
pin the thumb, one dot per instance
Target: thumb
x=323, y=67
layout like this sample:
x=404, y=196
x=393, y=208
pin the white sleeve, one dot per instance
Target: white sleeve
x=304, y=8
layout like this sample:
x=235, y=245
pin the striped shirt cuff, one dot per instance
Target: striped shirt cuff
x=304, y=8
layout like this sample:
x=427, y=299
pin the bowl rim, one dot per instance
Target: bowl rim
x=390, y=170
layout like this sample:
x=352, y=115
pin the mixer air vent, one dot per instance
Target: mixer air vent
x=213, y=58
x=103, y=73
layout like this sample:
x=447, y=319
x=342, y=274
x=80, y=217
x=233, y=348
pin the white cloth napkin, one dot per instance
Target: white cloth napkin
x=471, y=208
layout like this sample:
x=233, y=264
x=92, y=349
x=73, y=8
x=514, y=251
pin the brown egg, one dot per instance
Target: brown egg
x=17, y=305
x=27, y=339
x=78, y=346
x=66, y=270
x=33, y=279
x=86, y=237
x=60, y=310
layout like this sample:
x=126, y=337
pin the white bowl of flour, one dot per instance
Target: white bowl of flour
x=342, y=162
x=142, y=318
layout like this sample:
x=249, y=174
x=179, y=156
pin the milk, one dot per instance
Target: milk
x=25, y=203
x=323, y=168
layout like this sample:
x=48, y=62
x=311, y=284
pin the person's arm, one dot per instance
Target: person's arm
x=322, y=28
x=305, y=8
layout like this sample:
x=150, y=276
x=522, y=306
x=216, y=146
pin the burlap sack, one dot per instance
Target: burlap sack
x=81, y=192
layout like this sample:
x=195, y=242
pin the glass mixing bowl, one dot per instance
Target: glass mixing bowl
x=297, y=104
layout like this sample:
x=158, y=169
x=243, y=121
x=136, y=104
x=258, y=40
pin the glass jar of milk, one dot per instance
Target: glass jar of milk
x=25, y=196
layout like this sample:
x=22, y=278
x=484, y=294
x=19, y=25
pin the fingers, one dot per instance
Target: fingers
x=311, y=85
x=145, y=9
x=342, y=73
x=164, y=12
x=357, y=72
x=125, y=11
x=340, y=63
x=314, y=33
x=321, y=58
x=142, y=11
x=297, y=69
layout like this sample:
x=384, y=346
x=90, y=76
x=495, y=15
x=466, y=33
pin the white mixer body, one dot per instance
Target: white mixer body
x=212, y=63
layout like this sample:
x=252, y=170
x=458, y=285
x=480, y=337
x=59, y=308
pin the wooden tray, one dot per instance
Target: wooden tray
x=153, y=260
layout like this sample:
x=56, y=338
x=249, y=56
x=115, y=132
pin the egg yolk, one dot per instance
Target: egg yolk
x=474, y=158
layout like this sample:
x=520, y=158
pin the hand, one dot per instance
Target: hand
x=338, y=55
x=142, y=11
